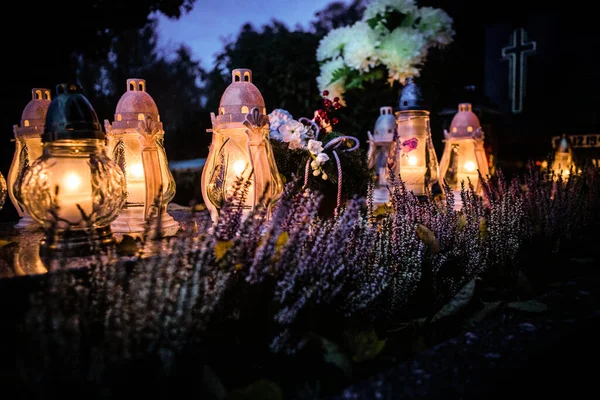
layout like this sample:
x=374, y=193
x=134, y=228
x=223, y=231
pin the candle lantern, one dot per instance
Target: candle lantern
x=28, y=147
x=240, y=150
x=562, y=164
x=379, y=150
x=464, y=154
x=2, y=190
x=73, y=189
x=136, y=143
x=412, y=154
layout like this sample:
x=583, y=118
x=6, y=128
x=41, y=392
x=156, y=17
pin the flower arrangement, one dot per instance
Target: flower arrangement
x=392, y=40
x=314, y=153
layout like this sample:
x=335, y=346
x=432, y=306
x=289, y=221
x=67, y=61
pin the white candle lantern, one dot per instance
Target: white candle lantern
x=464, y=154
x=379, y=150
x=412, y=154
x=73, y=189
x=28, y=147
x=136, y=143
x=562, y=164
x=240, y=149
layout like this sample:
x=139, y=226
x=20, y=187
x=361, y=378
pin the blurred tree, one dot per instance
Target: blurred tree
x=175, y=84
x=46, y=41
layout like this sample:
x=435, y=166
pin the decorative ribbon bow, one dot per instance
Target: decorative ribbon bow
x=334, y=144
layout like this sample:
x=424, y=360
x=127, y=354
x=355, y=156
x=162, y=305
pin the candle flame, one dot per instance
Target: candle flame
x=137, y=170
x=72, y=182
x=239, y=166
x=470, y=166
x=412, y=160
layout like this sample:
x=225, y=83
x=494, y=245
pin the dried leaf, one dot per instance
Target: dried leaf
x=222, y=247
x=4, y=243
x=333, y=354
x=282, y=240
x=428, y=237
x=364, y=345
x=462, y=221
x=532, y=306
x=483, y=232
x=487, y=309
x=458, y=302
x=127, y=246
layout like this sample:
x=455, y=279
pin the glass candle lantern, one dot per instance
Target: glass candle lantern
x=240, y=150
x=412, y=154
x=135, y=142
x=28, y=148
x=562, y=164
x=464, y=154
x=73, y=189
x=378, y=153
x=2, y=190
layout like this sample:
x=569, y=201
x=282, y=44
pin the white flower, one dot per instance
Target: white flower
x=295, y=142
x=377, y=8
x=331, y=45
x=325, y=79
x=322, y=158
x=402, y=51
x=315, y=146
x=292, y=129
x=360, y=53
x=277, y=117
x=435, y=25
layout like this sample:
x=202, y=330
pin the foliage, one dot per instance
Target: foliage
x=238, y=303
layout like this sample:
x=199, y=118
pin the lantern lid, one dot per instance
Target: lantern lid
x=385, y=125
x=564, y=146
x=134, y=105
x=33, y=116
x=240, y=97
x=465, y=122
x=71, y=116
x=411, y=97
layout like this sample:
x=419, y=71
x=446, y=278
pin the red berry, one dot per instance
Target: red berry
x=325, y=92
x=336, y=99
x=334, y=120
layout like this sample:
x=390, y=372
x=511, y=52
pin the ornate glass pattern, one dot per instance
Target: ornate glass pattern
x=72, y=181
x=2, y=191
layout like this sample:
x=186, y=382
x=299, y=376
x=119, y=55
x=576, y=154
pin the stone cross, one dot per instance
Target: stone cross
x=516, y=52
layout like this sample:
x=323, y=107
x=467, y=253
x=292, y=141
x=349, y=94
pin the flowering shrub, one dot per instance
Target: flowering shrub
x=250, y=297
x=392, y=40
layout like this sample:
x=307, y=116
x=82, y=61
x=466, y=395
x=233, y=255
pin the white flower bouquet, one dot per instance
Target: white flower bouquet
x=391, y=41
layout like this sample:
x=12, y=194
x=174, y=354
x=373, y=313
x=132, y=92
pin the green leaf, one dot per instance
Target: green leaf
x=487, y=309
x=458, y=303
x=333, y=354
x=532, y=306
x=364, y=344
x=263, y=389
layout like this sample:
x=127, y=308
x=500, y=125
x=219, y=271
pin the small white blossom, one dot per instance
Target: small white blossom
x=331, y=45
x=322, y=158
x=315, y=146
x=360, y=53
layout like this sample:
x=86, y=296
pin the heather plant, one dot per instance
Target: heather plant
x=256, y=289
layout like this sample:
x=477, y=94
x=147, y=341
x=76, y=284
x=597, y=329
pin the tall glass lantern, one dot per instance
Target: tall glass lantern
x=412, y=154
x=379, y=150
x=28, y=147
x=464, y=154
x=562, y=164
x=73, y=189
x=136, y=143
x=240, y=150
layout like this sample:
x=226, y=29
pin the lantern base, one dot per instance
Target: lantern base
x=76, y=242
x=27, y=223
x=131, y=221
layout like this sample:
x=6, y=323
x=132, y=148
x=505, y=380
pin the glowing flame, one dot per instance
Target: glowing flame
x=412, y=160
x=137, y=170
x=470, y=166
x=72, y=182
x=239, y=166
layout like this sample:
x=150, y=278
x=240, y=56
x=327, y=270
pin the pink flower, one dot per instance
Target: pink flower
x=410, y=144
